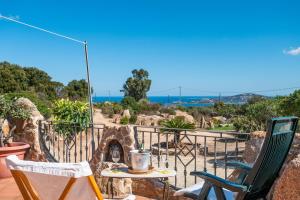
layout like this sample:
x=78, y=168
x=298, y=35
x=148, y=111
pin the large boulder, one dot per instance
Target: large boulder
x=203, y=123
x=28, y=131
x=116, y=118
x=126, y=113
x=148, y=120
x=5, y=127
x=185, y=115
x=287, y=184
x=219, y=119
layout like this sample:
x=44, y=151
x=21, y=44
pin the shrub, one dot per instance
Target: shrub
x=4, y=106
x=226, y=110
x=133, y=119
x=256, y=116
x=117, y=108
x=130, y=103
x=70, y=116
x=107, y=109
x=148, y=108
x=181, y=108
x=9, y=109
x=124, y=121
x=110, y=108
x=177, y=123
x=169, y=111
x=18, y=112
x=198, y=112
x=42, y=104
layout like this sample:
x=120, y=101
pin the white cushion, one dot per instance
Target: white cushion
x=75, y=170
x=196, y=189
x=50, y=179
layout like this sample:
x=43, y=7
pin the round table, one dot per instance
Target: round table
x=122, y=172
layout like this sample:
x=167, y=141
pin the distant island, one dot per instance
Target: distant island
x=188, y=101
x=240, y=98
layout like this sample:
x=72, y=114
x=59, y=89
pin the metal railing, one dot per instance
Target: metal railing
x=190, y=150
x=72, y=146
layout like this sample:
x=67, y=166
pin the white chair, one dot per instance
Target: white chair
x=51, y=181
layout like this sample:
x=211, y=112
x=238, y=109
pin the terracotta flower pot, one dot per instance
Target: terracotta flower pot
x=14, y=148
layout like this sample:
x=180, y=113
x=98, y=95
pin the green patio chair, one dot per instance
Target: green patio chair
x=259, y=178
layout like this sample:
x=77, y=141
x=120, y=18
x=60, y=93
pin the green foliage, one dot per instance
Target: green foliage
x=4, y=106
x=124, y=120
x=130, y=103
x=177, y=123
x=70, y=117
x=181, y=108
x=43, y=105
x=141, y=107
x=290, y=105
x=109, y=108
x=225, y=127
x=13, y=78
x=77, y=90
x=199, y=112
x=9, y=109
x=256, y=116
x=18, y=112
x=256, y=99
x=148, y=108
x=138, y=85
x=226, y=110
x=132, y=119
x=169, y=111
x=16, y=79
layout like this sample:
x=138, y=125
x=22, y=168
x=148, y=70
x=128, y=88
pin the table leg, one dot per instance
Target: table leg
x=166, y=189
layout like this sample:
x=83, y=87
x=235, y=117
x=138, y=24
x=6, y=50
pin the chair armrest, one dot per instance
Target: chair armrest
x=239, y=165
x=220, y=182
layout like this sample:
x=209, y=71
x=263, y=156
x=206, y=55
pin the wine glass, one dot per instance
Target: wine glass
x=115, y=155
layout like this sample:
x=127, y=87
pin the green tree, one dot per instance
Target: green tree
x=130, y=103
x=77, y=89
x=256, y=116
x=290, y=105
x=12, y=78
x=138, y=85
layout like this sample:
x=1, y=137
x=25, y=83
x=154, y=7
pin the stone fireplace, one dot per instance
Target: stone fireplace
x=113, y=137
x=122, y=138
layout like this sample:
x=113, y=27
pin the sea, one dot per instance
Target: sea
x=186, y=101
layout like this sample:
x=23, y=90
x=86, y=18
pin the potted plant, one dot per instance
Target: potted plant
x=9, y=111
x=140, y=159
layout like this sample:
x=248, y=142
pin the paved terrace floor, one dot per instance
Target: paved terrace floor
x=10, y=191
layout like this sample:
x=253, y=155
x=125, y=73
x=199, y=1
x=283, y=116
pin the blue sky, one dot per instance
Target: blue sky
x=203, y=46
